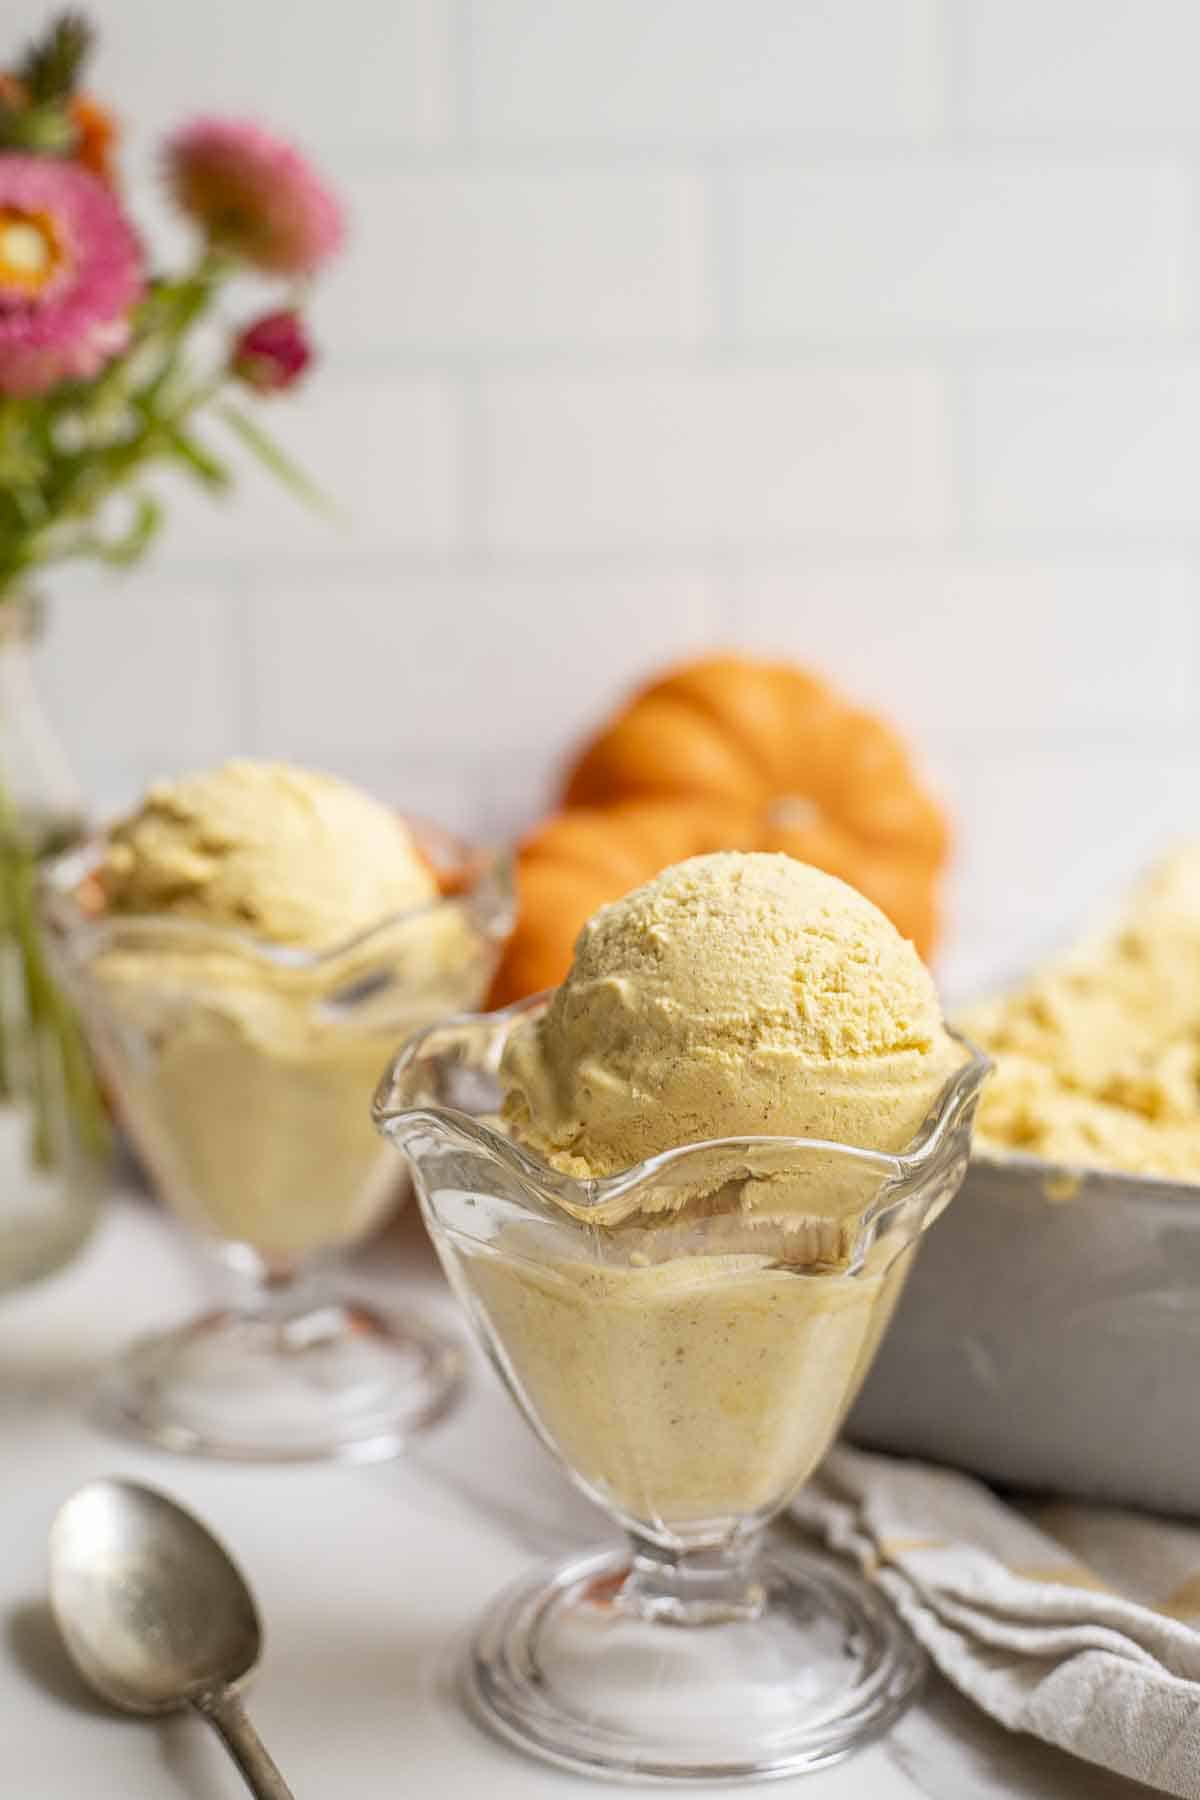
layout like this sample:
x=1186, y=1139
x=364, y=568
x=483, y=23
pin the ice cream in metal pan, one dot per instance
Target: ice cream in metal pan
x=1098, y=1052
x=1050, y=1333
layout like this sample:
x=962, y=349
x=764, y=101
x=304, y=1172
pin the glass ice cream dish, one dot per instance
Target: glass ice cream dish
x=685, y=1330
x=244, y=951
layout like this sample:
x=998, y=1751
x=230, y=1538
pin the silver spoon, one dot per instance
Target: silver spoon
x=157, y=1616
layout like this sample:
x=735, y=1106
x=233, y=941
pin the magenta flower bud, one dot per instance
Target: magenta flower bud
x=273, y=352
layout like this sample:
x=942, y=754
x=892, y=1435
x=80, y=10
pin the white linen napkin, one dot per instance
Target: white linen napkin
x=1079, y=1624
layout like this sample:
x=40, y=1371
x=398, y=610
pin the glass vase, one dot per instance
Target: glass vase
x=53, y=1130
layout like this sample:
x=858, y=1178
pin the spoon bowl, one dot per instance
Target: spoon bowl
x=156, y=1615
x=149, y=1604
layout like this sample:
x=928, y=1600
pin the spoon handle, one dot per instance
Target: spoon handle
x=227, y=1715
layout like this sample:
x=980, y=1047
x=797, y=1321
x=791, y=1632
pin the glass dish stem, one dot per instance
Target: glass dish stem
x=289, y=1371
x=685, y=1335
x=708, y=1584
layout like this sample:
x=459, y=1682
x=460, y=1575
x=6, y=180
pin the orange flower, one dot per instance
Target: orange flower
x=97, y=137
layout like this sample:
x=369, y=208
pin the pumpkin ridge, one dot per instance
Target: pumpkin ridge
x=661, y=746
x=699, y=697
x=705, y=758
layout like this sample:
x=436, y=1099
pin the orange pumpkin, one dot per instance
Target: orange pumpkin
x=728, y=754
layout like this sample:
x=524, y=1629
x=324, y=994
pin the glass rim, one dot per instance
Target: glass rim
x=904, y=1168
x=488, y=896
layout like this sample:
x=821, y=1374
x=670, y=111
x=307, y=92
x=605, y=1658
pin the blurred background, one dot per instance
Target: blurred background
x=865, y=332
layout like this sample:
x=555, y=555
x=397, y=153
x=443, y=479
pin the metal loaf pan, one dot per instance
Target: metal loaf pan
x=1050, y=1343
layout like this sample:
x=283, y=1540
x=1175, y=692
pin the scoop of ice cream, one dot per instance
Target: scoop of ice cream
x=246, y=1077
x=288, y=855
x=735, y=995
x=1098, y=1054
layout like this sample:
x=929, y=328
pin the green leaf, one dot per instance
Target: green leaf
x=51, y=67
x=193, y=454
x=279, y=462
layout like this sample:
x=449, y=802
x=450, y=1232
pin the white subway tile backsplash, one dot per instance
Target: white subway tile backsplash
x=621, y=69
x=372, y=70
x=862, y=333
x=979, y=243
x=1110, y=67
x=384, y=448
x=976, y=646
x=473, y=665
x=476, y=258
x=713, y=457
x=479, y=798
x=1091, y=445
x=143, y=674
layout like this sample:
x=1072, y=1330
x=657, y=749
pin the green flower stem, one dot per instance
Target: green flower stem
x=65, y=454
x=52, y=1067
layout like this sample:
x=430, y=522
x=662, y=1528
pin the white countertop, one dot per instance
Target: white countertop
x=367, y=1578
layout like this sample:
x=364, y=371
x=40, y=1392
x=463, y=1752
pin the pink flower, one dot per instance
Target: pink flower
x=273, y=352
x=254, y=195
x=70, y=271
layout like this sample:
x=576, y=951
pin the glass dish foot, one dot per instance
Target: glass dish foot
x=568, y=1668
x=335, y=1382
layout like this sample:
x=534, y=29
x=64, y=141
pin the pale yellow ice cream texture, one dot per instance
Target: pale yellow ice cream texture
x=1098, y=1054
x=245, y=1061
x=288, y=855
x=735, y=995
x=694, y=1367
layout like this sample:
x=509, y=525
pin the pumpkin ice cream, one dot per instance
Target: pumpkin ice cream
x=698, y=1365
x=734, y=996
x=263, y=934
x=1098, y=1054
x=288, y=855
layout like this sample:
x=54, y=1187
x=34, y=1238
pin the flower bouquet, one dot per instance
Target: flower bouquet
x=111, y=368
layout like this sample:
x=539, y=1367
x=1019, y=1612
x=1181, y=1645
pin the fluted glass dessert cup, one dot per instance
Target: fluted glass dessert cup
x=686, y=1338
x=243, y=1073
